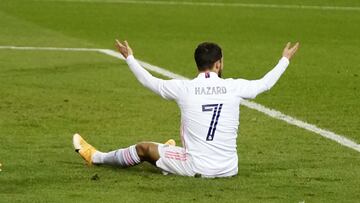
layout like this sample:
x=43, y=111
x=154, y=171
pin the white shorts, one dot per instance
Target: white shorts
x=174, y=160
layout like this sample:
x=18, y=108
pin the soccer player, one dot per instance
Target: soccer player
x=209, y=108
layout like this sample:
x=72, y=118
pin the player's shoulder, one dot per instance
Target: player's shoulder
x=236, y=83
x=180, y=81
x=233, y=80
x=177, y=82
x=229, y=79
x=236, y=80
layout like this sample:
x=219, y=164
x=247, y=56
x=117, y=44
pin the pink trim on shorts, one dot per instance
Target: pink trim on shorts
x=175, y=155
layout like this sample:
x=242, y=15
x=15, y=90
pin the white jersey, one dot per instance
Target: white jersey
x=209, y=112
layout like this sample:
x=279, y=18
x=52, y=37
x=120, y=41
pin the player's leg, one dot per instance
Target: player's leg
x=129, y=156
x=124, y=157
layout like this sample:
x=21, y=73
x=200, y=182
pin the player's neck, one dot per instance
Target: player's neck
x=209, y=72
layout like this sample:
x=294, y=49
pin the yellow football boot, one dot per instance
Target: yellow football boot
x=170, y=142
x=85, y=150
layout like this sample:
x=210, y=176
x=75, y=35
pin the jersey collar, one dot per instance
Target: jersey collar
x=207, y=74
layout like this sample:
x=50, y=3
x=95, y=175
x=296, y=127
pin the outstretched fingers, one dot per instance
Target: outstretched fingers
x=288, y=45
x=295, y=47
x=126, y=43
x=118, y=43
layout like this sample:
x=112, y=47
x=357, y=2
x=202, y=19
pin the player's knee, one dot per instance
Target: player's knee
x=142, y=150
x=147, y=152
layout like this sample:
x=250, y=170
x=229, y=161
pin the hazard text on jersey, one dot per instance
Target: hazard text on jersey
x=210, y=90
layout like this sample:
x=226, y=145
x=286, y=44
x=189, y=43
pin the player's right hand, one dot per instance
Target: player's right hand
x=290, y=51
x=123, y=48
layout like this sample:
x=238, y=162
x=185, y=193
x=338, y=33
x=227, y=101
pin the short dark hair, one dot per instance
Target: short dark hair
x=206, y=54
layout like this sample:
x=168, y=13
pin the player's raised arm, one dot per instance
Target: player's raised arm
x=168, y=89
x=250, y=89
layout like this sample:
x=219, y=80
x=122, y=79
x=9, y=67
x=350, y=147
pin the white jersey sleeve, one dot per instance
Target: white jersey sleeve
x=168, y=89
x=249, y=89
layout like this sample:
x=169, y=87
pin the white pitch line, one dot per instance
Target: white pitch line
x=221, y=4
x=49, y=48
x=341, y=139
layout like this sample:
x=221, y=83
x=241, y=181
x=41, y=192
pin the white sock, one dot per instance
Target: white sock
x=121, y=157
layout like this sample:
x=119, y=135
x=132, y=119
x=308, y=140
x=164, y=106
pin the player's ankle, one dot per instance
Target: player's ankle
x=97, y=157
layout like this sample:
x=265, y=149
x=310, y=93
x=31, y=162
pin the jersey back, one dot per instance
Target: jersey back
x=209, y=123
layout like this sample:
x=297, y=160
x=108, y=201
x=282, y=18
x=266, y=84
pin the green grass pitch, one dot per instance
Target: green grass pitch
x=47, y=96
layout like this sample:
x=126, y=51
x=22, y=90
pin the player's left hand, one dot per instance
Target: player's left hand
x=289, y=51
x=124, y=48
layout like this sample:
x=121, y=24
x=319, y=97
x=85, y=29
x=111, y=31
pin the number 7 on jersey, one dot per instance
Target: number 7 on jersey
x=215, y=117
